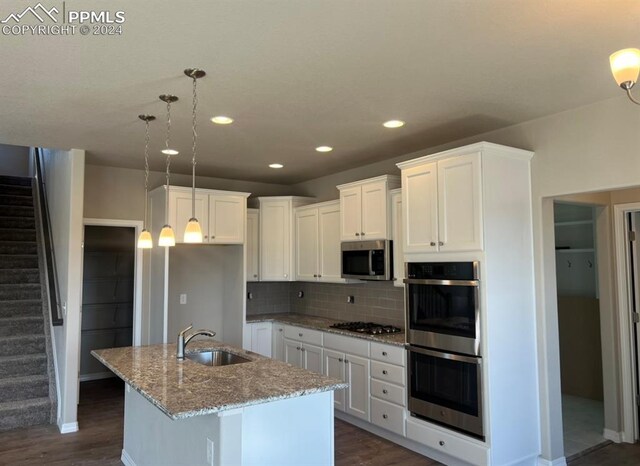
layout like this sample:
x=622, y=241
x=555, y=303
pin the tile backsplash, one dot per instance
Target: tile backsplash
x=373, y=301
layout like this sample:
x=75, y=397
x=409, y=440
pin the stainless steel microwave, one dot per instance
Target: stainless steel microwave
x=367, y=260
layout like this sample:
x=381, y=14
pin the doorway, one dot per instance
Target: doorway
x=579, y=326
x=111, y=298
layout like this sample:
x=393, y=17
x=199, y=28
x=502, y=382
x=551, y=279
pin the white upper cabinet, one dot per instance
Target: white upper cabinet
x=253, y=218
x=364, y=208
x=460, y=203
x=277, y=249
x=442, y=204
x=396, y=227
x=226, y=219
x=317, y=233
x=221, y=214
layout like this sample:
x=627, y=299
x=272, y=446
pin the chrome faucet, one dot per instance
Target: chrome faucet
x=182, y=342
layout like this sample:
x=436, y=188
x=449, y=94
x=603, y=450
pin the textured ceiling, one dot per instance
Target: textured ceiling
x=296, y=74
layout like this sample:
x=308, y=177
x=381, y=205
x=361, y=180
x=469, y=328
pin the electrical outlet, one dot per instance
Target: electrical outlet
x=351, y=299
x=210, y=451
x=300, y=294
x=183, y=298
x=249, y=295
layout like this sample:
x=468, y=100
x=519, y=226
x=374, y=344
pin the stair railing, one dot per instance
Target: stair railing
x=49, y=252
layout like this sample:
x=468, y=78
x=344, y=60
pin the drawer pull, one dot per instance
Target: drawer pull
x=340, y=359
x=384, y=416
x=441, y=443
x=298, y=348
x=302, y=349
x=384, y=372
x=346, y=361
x=299, y=334
x=384, y=353
x=385, y=391
x=279, y=330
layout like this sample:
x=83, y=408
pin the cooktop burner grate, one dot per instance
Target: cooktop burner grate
x=370, y=328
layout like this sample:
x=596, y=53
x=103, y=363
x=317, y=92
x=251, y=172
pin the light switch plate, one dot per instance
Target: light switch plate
x=351, y=299
x=183, y=298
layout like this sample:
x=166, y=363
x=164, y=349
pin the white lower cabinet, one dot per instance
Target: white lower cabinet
x=277, y=342
x=388, y=416
x=388, y=392
x=258, y=338
x=347, y=359
x=303, y=355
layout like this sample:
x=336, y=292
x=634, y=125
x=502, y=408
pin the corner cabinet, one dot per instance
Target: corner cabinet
x=221, y=213
x=442, y=204
x=317, y=243
x=276, y=237
x=364, y=208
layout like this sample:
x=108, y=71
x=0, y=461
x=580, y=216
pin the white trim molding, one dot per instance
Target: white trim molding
x=557, y=462
x=67, y=428
x=625, y=327
x=612, y=435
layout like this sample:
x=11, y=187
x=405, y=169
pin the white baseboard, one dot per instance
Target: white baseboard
x=557, y=462
x=612, y=435
x=97, y=376
x=68, y=428
x=126, y=459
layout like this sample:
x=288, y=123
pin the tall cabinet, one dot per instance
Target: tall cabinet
x=474, y=204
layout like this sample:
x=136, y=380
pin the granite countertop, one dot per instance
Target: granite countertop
x=183, y=389
x=322, y=323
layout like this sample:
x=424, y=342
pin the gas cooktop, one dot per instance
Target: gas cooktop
x=370, y=328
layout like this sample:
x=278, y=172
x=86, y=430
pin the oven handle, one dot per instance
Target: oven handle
x=452, y=357
x=423, y=281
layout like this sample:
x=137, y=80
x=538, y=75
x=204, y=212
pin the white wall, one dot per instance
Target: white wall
x=14, y=161
x=588, y=149
x=64, y=178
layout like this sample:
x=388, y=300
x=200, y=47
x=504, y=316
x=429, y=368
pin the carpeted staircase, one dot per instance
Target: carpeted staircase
x=25, y=371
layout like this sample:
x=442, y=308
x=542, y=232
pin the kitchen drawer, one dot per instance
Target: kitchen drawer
x=388, y=353
x=388, y=416
x=388, y=372
x=388, y=392
x=451, y=443
x=303, y=334
x=349, y=345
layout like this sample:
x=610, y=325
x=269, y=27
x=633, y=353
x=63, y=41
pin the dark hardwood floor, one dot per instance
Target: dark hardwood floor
x=99, y=441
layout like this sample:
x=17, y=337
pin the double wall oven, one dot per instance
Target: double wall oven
x=444, y=335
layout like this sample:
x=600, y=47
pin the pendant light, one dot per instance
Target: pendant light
x=167, y=237
x=145, y=241
x=193, y=231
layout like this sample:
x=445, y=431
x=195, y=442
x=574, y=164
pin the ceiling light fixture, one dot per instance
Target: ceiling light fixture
x=167, y=236
x=324, y=148
x=625, y=67
x=222, y=120
x=145, y=241
x=393, y=124
x=193, y=232
x=169, y=99
x=276, y=165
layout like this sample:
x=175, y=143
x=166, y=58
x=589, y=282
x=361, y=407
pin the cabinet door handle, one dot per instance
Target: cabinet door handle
x=315, y=275
x=298, y=348
x=357, y=234
x=441, y=443
x=346, y=361
x=432, y=243
x=362, y=233
x=255, y=275
x=385, y=372
x=384, y=353
x=319, y=276
x=440, y=243
x=302, y=349
x=340, y=359
x=384, y=416
x=299, y=334
x=385, y=391
x=285, y=275
x=206, y=236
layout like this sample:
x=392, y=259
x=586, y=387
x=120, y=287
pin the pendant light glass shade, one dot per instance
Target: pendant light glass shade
x=145, y=241
x=625, y=67
x=193, y=232
x=167, y=237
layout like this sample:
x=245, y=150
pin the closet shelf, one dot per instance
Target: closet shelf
x=574, y=251
x=573, y=223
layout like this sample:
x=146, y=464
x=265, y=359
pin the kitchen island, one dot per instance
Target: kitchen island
x=259, y=412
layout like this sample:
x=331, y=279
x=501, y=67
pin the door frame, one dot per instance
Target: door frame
x=625, y=325
x=138, y=266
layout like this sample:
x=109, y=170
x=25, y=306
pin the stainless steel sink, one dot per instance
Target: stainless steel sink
x=216, y=358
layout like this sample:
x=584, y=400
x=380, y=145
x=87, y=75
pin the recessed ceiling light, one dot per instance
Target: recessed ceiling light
x=324, y=148
x=170, y=152
x=276, y=165
x=393, y=124
x=222, y=120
